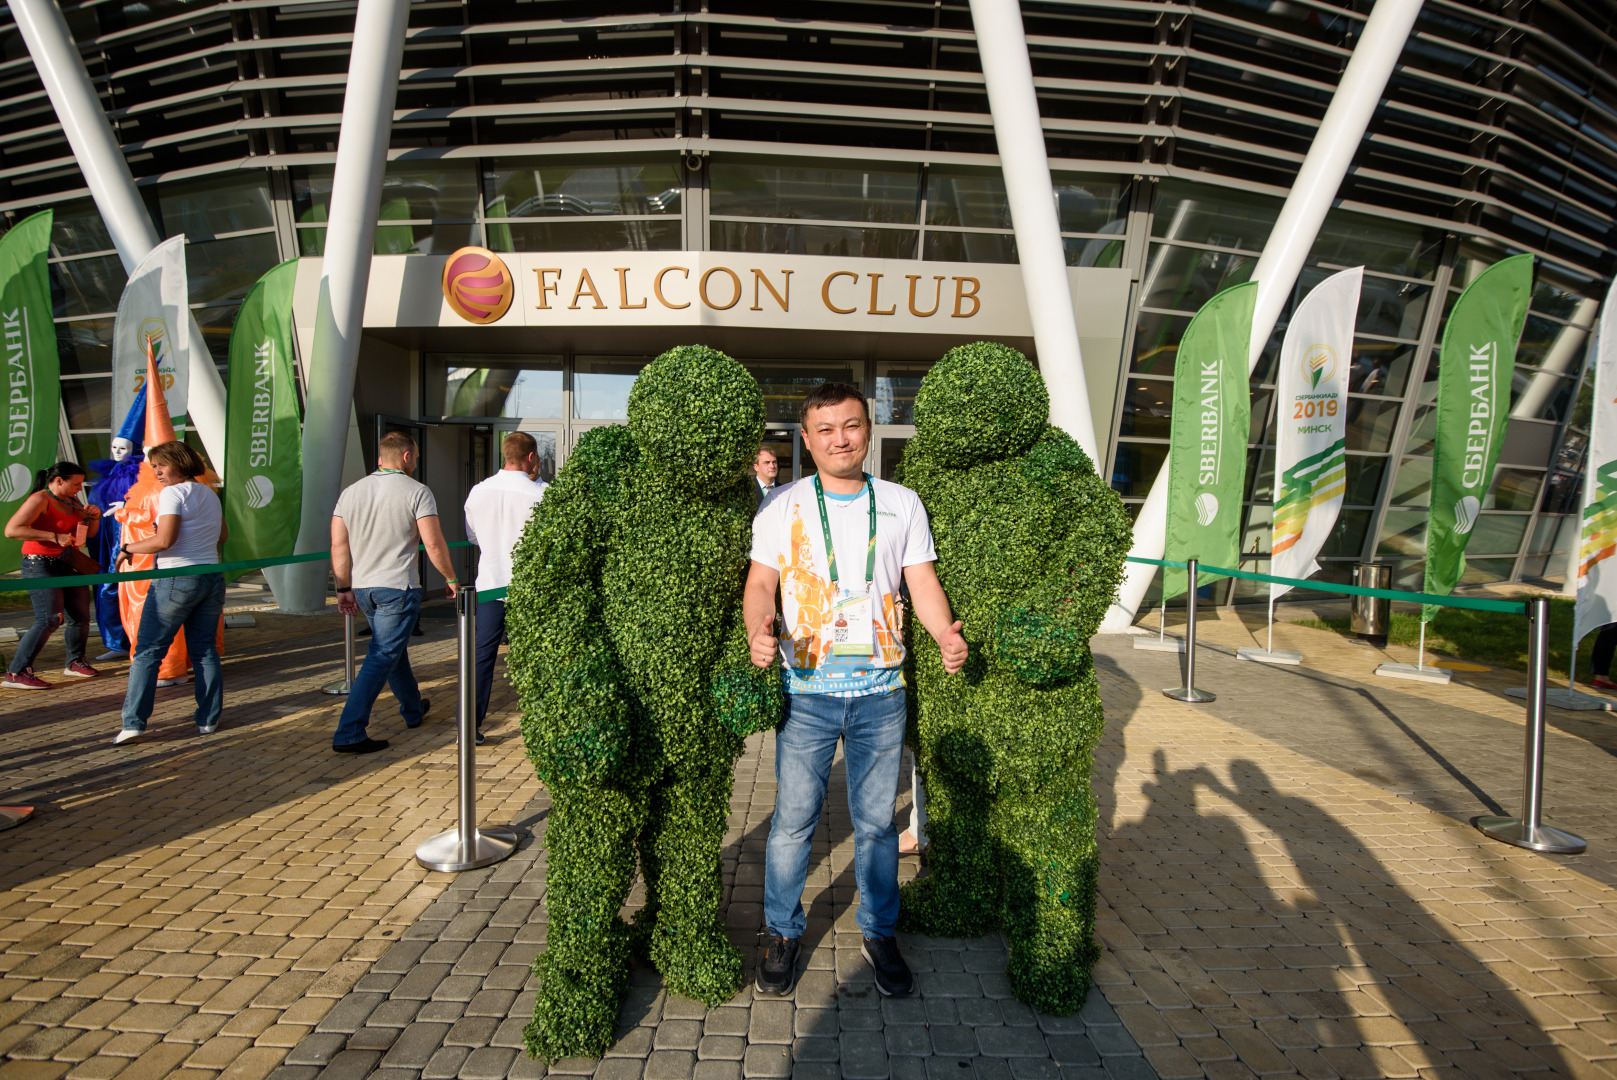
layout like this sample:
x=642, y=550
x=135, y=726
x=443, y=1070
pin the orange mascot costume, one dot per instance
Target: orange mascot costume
x=139, y=517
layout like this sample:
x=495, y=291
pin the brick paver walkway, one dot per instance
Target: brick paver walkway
x=245, y=903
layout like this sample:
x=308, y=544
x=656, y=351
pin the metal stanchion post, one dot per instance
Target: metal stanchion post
x=347, y=680
x=1187, y=663
x=1529, y=831
x=467, y=847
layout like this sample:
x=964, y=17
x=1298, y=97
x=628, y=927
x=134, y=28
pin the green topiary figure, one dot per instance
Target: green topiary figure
x=630, y=657
x=1030, y=546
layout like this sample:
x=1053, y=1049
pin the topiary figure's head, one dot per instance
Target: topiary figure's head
x=697, y=417
x=981, y=402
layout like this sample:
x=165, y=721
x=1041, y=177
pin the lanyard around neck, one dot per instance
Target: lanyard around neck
x=831, y=549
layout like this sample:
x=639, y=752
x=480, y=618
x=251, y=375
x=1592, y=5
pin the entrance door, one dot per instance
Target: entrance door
x=783, y=441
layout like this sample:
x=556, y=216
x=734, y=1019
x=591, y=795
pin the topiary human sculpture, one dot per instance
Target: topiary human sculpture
x=630, y=656
x=1030, y=546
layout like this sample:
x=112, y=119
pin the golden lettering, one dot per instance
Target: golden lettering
x=657, y=286
x=586, y=284
x=875, y=283
x=825, y=292
x=623, y=289
x=962, y=294
x=546, y=287
x=701, y=288
x=937, y=297
x=780, y=297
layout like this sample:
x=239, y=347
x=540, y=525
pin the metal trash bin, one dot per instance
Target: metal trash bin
x=1372, y=615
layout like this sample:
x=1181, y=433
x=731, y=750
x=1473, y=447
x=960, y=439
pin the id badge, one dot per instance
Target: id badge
x=853, y=627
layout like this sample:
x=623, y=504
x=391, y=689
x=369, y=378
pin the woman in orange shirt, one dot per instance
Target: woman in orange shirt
x=48, y=522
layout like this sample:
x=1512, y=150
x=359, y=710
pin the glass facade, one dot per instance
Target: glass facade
x=862, y=129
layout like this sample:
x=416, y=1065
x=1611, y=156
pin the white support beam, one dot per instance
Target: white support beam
x=112, y=186
x=356, y=194
x=1320, y=177
x=1002, y=46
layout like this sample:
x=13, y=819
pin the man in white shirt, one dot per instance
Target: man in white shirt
x=837, y=546
x=497, y=510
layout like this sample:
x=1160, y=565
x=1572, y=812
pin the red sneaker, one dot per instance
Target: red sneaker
x=24, y=680
x=78, y=669
x=1601, y=682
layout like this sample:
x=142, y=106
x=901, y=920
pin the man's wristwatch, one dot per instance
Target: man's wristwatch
x=340, y=590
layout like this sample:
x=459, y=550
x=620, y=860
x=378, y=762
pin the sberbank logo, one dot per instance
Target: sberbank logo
x=1206, y=508
x=260, y=491
x=1465, y=514
x=1319, y=365
x=15, y=482
x=478, y=285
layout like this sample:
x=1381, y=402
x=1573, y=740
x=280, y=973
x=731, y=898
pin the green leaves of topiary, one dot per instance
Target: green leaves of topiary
x=637, y=688
x=1030, y=546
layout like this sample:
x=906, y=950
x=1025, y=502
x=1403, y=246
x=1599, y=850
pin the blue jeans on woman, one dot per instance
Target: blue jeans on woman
x=872, y=728
x=192, y=605
x=71, y=604
x=392, y=614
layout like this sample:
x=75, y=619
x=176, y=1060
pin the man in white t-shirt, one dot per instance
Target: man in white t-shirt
x=497, y=510
x=837, y=546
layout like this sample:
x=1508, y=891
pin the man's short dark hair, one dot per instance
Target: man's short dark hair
x=394, y=445
x=516, y=446
x=832, y=393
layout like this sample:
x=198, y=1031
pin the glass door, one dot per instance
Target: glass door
x=887, y=443
x=552, y=446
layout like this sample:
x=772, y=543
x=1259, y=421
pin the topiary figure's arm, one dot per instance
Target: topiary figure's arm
x=576, y=715
x=1045, y=637
x=746, y=698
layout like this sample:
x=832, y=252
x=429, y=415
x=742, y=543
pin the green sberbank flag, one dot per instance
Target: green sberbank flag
x=1473, y=403
x=263, y=436
x=1212, y=407
x=33, y=388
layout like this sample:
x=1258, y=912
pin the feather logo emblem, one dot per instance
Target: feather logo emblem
x=260, y=491
x=15, y=482
x=1319, y=364
x=1206, y=508
x=478, y=285
x=1465, y=514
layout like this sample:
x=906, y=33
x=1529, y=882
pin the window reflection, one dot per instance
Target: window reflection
x=1183, y=278
x=888, y=194
x=539, y=188
x=1223, y=216
x=226, y=203
x=1136, y=466
x=896, y=385
x=796, y=238
x=1156, y=342
x=511, y=386
x=601, y=386
x=1147, y=408
x=785, y=385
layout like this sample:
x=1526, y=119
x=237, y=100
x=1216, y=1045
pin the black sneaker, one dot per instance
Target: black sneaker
x=893, y=976
x=777, y=972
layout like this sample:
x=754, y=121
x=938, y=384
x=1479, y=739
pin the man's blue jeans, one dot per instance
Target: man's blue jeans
x=490, y=628
x=191, y=604
x=392, y=614
x=872, y=728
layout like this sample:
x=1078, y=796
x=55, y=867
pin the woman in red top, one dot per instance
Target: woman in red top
x=47, y=522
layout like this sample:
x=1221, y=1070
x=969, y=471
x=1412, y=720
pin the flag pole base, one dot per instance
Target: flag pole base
x=1571, y=700
x=444, y=852
x=338, y=687
x=1269, y=656
x=11, y=816
x=1151, y=644
x=1543, y=838
x=1192, y=695
x=1441, y=676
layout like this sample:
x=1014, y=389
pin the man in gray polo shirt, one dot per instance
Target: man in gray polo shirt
x=374, y=532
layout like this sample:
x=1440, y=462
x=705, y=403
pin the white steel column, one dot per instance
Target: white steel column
x=1341, y=131
x=112, y=185
x=356, y=193
x=1002, y=46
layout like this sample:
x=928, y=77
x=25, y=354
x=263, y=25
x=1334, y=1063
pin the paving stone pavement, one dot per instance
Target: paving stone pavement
x=1289, y=887
x=450, y=999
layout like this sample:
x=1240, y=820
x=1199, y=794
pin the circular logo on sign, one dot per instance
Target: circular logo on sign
x=1319, y=364
x=1206, y=507
x=477, y=285
x=15, y=482
x=1465, y=514
x=260, y=491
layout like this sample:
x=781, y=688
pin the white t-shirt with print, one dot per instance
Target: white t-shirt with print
x=787, y=535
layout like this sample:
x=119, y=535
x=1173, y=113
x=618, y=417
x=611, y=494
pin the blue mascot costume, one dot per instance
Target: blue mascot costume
x=115, y=476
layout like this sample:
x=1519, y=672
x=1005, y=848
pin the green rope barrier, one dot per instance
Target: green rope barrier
x=69, y=581
x=1509, y=607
